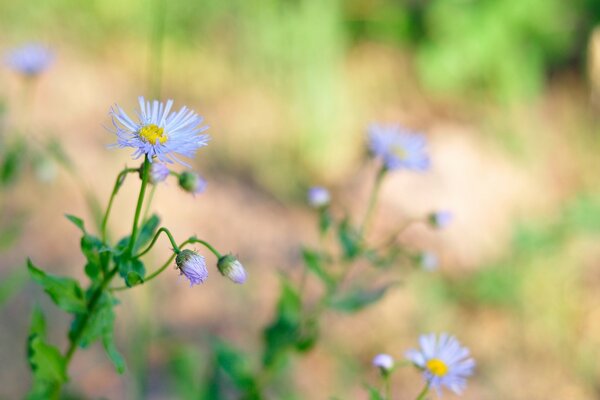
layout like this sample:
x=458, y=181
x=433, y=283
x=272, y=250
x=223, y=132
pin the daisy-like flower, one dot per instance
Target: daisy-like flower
x=444, y=362
x=232, y=268
x=441, y=219
x=158, y=132
x=385, y=362
x=398, y=148
x=30, y=59
x=192, y=265
x=318, y=197
x=192, y=182
x=159, y=172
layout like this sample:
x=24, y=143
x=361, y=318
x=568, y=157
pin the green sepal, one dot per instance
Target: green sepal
x=64, y=292
x=358, y=298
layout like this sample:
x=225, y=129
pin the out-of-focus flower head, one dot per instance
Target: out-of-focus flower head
x=318, y=197
x=30, y=59
x=398, y=148
x=158, y=132
x=192, y=265
x=441, y=219
x=385, y=362
x=444, y=362
x=428, y=261
x=159, y=172
x=232, y=268
x=192, y=182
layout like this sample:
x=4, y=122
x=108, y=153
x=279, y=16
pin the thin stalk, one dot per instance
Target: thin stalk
x=149, y=203
x=115, y=190
x=387, y=386
x=155, y=238
x=423, y=393
x=373, y=200
x=207, y=245
x=138, y=208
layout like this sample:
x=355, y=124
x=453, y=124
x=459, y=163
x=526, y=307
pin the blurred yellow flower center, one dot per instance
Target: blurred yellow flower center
x=153, y=134
x=437, y=367
x=400, y=152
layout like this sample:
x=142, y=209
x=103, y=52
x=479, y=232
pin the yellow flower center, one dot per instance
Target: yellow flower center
x=437, y=367
x=153, y=134
x=400, y=152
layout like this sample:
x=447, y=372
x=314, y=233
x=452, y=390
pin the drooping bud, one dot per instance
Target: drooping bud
x=192, y=182
x=440, y=219
x=318, y=197
x=384, y=362
x=192, y=265
x=232, y=268
x=158, y=172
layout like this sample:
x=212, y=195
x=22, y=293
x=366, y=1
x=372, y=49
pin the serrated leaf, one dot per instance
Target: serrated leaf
x=65, y=292
x=358, y=298
x=314, y=264
x=46, y=361
x=77, y=221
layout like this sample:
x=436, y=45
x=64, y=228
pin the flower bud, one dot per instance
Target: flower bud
x=192, y=265
x=385, y=362
x=440, y=219
x=232, y=268
x=158, y=172
x=192, y=182
x=318, y=197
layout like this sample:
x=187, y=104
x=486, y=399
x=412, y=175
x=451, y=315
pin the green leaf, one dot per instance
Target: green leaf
x=111, y=350
x=313, y=261
x=92, y=247
x=374, y=393
x=65, y=292
x=283, y=333
x=325, y=220
x=236, y=366
x=358, y=298
x=147, y=232
x=349, y=239
x=12, y=163
x=77, y=221
x=132, y=270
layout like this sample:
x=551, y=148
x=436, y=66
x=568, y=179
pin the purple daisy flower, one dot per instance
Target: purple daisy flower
x=444, y=362
x=192, y=265
x=398, y=148
x=159, y=132
x=318, y=197
x=30, y=59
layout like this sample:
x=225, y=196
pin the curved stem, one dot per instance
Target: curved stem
x=118, y=184
x=138, y=208
x=155, y=238
x=423, y=393
x=207, y=245
x=373, y=200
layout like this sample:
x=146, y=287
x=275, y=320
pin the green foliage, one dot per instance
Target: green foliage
x=237, y=368
x=358, y=298
x=12, y=160
x=314, y=263
x=374, y=393
x=350, y=239
x=65, y=292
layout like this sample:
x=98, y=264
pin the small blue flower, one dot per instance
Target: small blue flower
x=318, y=197
x=398, y=148
x=158, y=172
x=441, y=219
x=192, y=265
x=385, y=362
x=30, y=59
x=158, y=132
x=444, y=362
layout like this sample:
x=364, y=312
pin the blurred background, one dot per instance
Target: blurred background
x=505, y=90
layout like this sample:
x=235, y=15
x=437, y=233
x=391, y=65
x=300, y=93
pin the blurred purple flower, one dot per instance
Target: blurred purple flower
x=192, y=265
x=428, y=261
x=398, y=148
x=30, y=59
x=158, y=132
x=444, y=362
x=441, y=219
x=158, y=172
x=318, y=197
x=383, y=361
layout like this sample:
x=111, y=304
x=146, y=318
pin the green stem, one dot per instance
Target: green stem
x=207, y=245
x=118, y=184
x=138, y=208
x=149, y=203
x=373, y=200
x=423, y=393
x=155, y=238
x=387, y=386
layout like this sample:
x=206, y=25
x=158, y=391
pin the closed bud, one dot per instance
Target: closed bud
x=232, y=268
x=192, y=265
x=192, y=182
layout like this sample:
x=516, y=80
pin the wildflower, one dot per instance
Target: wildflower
x=318, y=197
x=160, y=133
x=440, y=219
x=398, y=148
x=192, y=265
x=158, y=172
x=192, y=182
x=428, y=261
x=232, y=268
x=444, y=362
x=385, y=362
x=30, y=59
